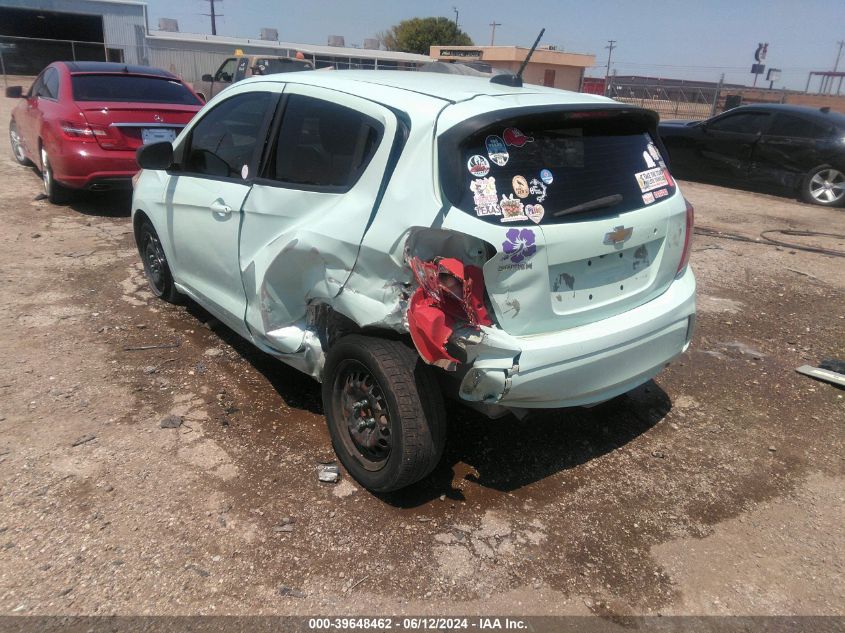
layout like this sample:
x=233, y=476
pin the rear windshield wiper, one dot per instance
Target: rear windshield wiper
x=598, y=203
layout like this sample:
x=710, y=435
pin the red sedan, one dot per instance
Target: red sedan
x=81, y=122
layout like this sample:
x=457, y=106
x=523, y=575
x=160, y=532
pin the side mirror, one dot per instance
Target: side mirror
x=155, y=155
x=207, y=78
x=14, y=92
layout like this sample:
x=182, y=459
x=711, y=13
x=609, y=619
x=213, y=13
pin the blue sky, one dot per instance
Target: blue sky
x=681, y=39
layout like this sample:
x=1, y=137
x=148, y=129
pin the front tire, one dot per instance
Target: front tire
x=17, y=145
x=54, y=191
x=385, y=412
x=824, y=185
x=156, y=268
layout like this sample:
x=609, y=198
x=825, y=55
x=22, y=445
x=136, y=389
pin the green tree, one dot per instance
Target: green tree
x=417, y=35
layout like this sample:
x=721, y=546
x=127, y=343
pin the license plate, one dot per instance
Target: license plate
x=157, y=134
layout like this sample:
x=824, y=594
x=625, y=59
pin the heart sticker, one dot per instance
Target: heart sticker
x=535, y=212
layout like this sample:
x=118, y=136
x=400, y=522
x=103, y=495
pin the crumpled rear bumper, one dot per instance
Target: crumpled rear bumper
x=582, y=365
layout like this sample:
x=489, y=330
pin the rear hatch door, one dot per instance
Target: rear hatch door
x=584, y=208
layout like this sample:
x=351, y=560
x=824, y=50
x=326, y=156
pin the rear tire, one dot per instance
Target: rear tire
x=56, y=193
x=17, y=146
x=825, y=186
x=384, y=410
x=156, y=268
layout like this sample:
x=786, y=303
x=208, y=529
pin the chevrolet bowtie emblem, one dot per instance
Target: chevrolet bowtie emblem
x=618, y=235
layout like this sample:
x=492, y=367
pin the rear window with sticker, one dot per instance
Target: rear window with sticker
x=552, y=172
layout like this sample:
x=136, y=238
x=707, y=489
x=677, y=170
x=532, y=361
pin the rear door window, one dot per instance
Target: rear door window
x=797, y=127
x=521, y=172
x=322, y=144
x=131, y=88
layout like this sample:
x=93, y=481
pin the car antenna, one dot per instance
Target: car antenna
x=515, y=81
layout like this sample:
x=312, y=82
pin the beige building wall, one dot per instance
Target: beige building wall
x=547, y=67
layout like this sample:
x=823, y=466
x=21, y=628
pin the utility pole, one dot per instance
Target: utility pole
x=455, y=9
x=611, y=44
x=494, y=24
x=838, y=55
x=213, y=16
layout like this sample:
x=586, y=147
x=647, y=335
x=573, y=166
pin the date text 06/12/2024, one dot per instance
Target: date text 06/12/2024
x=416, y=623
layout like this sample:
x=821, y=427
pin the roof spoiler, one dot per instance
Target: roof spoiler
x=515, y=81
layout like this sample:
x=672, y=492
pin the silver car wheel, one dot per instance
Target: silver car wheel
x=828, y=186
x=17, y=146
x=46, y=176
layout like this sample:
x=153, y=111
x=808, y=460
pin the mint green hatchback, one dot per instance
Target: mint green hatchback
x=404, y=236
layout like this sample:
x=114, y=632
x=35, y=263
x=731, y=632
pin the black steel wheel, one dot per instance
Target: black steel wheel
x=156, y=268
x=384, y=410
x=17, y=145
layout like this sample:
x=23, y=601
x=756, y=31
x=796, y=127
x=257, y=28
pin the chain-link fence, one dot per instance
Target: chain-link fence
x=671, y=102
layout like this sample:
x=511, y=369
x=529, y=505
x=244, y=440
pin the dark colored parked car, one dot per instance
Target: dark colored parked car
x=81, y=122
x=789, y=147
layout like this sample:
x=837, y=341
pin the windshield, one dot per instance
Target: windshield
x=131, y=88
x=523, y=172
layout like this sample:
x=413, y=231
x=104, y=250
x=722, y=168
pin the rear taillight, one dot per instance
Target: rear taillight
x=107, y=137
x=78, y=131
x=690, y=221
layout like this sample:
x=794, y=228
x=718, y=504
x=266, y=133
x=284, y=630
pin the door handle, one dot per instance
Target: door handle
x=219, y=207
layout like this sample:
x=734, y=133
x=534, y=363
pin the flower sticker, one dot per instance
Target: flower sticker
x=519, y=245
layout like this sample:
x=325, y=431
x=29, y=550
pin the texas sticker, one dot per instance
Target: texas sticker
x=651, y=179
x=484, y=196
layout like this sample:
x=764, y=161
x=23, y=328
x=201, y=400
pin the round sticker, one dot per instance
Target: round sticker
x=520, y=186
x=546, y=176
x=244, y=171
x=478, y=166
x=497, y=150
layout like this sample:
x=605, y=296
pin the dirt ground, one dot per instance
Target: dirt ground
x=715, y=489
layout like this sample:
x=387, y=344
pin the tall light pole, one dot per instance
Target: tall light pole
x=494, y=24
x=611, y=44
x=455, y=9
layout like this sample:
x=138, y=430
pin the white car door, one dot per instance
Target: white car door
x=205, y=194
x=307, y=213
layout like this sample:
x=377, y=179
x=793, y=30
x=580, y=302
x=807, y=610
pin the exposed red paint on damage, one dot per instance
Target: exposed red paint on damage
x=448, y=294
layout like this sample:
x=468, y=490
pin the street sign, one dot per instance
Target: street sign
x=758, y=69
x=773, y=74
